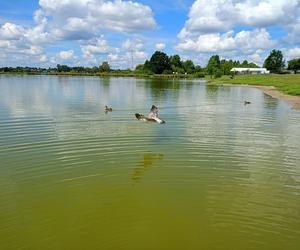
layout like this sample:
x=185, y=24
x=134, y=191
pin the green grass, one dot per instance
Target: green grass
x=289, y=84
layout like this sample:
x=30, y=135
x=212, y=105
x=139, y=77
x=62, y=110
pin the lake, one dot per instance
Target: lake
x=218, y=175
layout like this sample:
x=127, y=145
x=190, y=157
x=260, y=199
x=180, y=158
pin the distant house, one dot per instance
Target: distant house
x=250, y=71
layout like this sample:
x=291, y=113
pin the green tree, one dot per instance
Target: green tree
x=245, y=64
x=274, y=62
x=226, y=66
x=189, y=66
x=139, y=67
x=104, y=67
x=294, y=65
x=179, y=70
x=176, y=61
x=147, y=66
x=159, y=62
x=213, y=65
x=63, y=68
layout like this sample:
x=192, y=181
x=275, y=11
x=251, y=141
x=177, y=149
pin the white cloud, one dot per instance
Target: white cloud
x=133, y=45
x=131, y=53
x=67, y=55
x=37, y=34
x=94, y=47
x=43, y=58
x=211, y=27
x=292, y=53
x=20, y=46
x=207, y=16
x=294, y=34
x=124, y=16
x=244, y=41
x=11, y=31
x=256, y=58
x=160, y=46
x=82, y=19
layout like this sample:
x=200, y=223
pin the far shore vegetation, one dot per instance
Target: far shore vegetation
x=286, y=83
x=160, y=65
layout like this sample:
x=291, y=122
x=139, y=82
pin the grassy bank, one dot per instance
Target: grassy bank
x=288, y=84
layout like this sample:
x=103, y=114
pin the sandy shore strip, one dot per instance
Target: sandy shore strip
x=293, y=101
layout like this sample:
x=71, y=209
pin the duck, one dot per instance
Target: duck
x=152, y=116
x=107, y=109
x=247, y=102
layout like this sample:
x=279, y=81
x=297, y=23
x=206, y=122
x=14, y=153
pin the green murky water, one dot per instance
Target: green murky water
x=217, y=175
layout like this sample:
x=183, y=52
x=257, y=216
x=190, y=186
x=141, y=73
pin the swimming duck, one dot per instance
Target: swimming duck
x=152, y=116
x=107, y=109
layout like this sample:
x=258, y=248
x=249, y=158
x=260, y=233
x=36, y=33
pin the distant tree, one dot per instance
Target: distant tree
x=159, y=62
x=147, y=66
x=198, y=68
x=226, y=66
x=213, y=65
x=294, y=65
x=104, y=67
x=139, y=67
x=178, y=70
x=245, y=63
x=236, y=64
x=189, y=66
x=176, y=61
x=63, y=68
x=274, y=62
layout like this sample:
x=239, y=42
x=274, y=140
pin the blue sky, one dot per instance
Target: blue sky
x=87, y=32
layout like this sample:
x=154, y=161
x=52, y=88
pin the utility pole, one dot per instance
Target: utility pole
x=131, y=51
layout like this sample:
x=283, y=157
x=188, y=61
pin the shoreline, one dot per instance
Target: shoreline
x=293, y=101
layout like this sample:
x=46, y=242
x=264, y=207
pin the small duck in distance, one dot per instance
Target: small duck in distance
x=107, y=109
x=246, y=102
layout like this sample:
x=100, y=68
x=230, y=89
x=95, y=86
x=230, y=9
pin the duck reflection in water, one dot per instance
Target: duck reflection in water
x=145, y=165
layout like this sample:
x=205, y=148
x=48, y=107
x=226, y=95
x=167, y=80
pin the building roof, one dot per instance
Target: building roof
x=250, y=69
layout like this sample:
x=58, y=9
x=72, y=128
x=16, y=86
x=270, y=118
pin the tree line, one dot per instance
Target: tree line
x=60, y=68
x=161, y=63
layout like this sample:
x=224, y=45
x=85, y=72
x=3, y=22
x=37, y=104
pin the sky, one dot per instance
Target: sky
x=45, y=33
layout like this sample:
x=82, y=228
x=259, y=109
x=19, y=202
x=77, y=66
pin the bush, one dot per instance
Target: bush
x=200, y=75
x=284, y=72
x=167, y=72
x=218, y=74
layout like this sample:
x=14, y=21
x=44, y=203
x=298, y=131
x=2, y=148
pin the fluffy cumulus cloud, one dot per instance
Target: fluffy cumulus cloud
x=11, y=31
x=291, y=53
x=208, y=16
x=160, y=46
x=16, y=48
x=246, y=41
x=236, y=29
x=214, y=26
x=80, y=19
x=94, y=47
x=67, y=55
x=131, y=53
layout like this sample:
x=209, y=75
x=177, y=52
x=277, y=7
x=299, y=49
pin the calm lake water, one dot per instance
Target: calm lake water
x=217, y=175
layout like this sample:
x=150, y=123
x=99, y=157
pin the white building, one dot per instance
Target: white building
x=250, y=70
